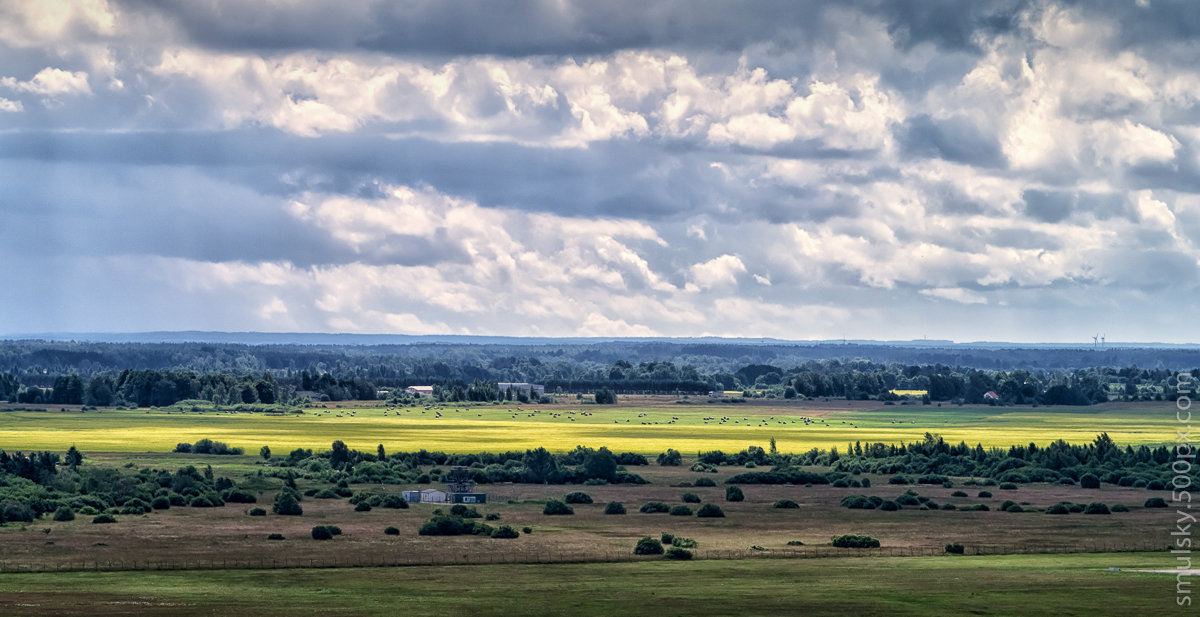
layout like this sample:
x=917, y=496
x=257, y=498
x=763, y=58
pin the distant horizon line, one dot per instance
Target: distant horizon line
x=254, y=337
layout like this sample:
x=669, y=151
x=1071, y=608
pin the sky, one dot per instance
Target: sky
x=998, y=170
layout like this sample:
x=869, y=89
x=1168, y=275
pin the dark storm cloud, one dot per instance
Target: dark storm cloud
x=1048, y=206
x=82, y=210
x=954, y=139
x=535, y=27
x=950, y=24
x=573, y=182
x=1147, y=24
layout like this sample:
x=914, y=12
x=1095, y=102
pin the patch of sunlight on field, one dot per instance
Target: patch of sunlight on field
x=647, y=430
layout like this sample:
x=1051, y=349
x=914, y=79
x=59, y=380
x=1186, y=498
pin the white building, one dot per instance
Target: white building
x=432, y=495
x=421, y=390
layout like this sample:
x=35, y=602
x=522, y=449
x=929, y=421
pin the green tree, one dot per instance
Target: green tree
x=287, y=503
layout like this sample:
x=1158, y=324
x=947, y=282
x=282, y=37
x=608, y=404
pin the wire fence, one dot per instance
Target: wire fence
x=460, y=557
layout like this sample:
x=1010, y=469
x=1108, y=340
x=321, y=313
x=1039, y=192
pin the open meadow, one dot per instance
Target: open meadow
x=1062, y=585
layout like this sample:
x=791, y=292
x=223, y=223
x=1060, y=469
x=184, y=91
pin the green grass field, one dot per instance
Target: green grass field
x=1061, y=585
x=648, y=426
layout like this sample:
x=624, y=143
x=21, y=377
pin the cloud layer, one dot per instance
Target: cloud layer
x=1022, y=170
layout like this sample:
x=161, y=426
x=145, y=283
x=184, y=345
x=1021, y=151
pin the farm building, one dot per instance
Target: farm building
x=420, y=390
x=411, y=496
x=527, y=388
x=468, y=498
x=432, y=495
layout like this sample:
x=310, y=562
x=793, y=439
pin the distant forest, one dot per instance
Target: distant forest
x=158, y=374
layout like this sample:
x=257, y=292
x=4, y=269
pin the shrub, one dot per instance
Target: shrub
x=103, y=518
x=682, y=542
x=648, y=546
x=1058, y=508
x=958, y=494
x=321, y=532
x=853, y=541
x=709, y=510
x=275, y=536
x=908, y=500
x=1155, y=502
x=955, y=548
x=1089, y=480
x=64, y=514
x=786, y=504
x=680, y=510
x=704, y=482
x=899, y=479
x=391, y=531
x=1075, y=507
x=394, y=502
x=866, y=482
x=984, y=494
x=1096, y=508
x=1008, y=486
x=979, y=507
x=578, y=497
x=505, y=532
x=162, y=502
x=949, y=506
x=670, y=458
x=734, y=493
x=135, y=506
x=857, y=502
x=1120, y=508
x=1155, y=485
x=287, y=503
x=678, y=554
x=362, y=507
x=1006, y=504
x=691, y=498
x=527, y=530
x=666, y=538
x=654, y=507
x=889, y=506
x=234, y=495
x=326, y=494
x=201, y=501
x=258, y=512
x=795, y=543
x=556, y=507
x=442, y=525
x=492, y=516
x=614, y=507
x=462, y=511
x=1014, y=508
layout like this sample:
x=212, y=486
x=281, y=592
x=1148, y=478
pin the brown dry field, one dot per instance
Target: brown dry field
x=188, y=535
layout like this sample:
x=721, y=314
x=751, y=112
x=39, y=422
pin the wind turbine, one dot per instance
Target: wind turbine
x=1095, y=340
x=1101, y=341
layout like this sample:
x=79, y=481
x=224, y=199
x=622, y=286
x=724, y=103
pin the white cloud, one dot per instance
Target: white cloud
x=955, y=294
x=11, y=106
x=51, y=82
x=717, y=272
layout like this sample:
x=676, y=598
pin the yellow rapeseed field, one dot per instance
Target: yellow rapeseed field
x=648, y=430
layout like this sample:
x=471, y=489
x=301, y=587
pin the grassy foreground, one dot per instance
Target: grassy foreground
x=1005, y=585
x=649, y=426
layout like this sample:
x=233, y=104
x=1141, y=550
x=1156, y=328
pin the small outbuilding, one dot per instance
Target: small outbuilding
x=468, y=497
x=432, y=495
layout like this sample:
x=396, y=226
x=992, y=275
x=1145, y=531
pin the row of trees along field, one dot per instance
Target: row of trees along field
x=44, y=482
x=857, y=380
